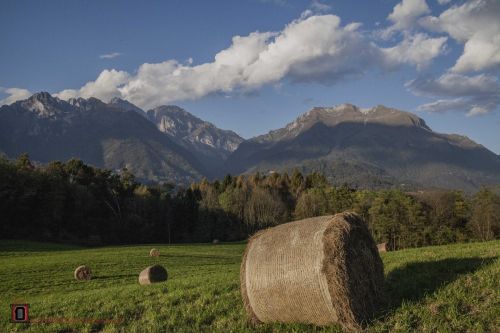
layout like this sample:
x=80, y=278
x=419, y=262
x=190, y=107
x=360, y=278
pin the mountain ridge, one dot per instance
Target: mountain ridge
x=398, y=142
x=378, y=146
x=48, y=128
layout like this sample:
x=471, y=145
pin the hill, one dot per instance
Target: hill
x=380, y=141
x=442, y=288
x=48, y=129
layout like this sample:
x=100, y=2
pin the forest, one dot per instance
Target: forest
x=71, y=202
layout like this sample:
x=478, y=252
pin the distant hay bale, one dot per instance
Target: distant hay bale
x=153, y=274
x=215, y=241
x=154, y=253
x=83, y=273
x=320, y=271
x=382, y=247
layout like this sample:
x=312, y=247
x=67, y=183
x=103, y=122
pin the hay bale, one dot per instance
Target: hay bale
x=83, y=273
x=154, y=253
x=215, y=241
x=320, y=271
x=153, y=274
x=382, y=247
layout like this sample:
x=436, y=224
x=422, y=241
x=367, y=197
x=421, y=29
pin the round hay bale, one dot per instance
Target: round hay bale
x=153, y=274
x=83, y=273
x=215, y=241
x=382, y=247
x=154, y=253
x=320, y=270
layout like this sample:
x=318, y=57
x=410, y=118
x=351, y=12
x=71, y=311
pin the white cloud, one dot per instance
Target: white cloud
x=14, y=94
x=451, y=84
x=444, y=105
x=404, y=17
x=104, y=87
x=476, y=24
x=315, y=48
x=320, y=7
x=474, y=95
x=443, y=2
x=477, y=111
x=418, y=50
x=467, y=106
x=110, y=55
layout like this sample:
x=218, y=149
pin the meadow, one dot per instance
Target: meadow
x=452, y=288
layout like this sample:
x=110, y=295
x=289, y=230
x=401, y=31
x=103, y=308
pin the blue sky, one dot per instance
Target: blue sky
x=440, y=59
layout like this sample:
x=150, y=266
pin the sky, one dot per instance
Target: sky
x=254, y=65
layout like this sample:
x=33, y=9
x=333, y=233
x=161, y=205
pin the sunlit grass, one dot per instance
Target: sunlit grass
x=447, y=289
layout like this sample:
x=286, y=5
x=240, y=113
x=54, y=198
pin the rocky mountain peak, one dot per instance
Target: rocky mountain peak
x=86, y=104
x=191, y=130
x=344, y=113
x=126, y=105
x=42, y=104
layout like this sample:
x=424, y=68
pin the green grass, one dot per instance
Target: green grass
x=451, y=288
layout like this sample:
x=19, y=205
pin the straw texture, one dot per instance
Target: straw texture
x=153, y=274
x=83, y=273
x=320, y=270
x=382, y=247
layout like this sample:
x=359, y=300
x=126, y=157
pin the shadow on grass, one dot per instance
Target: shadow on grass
x=114, y=277
x=8, y=245
x=415, y=280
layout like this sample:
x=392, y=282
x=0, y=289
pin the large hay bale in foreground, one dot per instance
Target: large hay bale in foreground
x=320, y=270
x=83, y=273
x=153, y=274
x=154, y=253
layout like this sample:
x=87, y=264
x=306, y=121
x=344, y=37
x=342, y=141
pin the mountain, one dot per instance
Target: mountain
x=377, y=148
x=383, y=142
x=211, y=145
x=126, y=105
x=103, y=135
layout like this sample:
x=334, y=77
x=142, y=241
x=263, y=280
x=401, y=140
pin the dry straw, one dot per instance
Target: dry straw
x=153, y=274
x=83, y=273
x=321, y=271
x=154, y=253
x=382, y=247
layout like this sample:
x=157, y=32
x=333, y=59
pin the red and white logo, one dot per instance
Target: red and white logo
x=19, y=313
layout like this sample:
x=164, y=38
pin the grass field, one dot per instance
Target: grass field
x=451, y=288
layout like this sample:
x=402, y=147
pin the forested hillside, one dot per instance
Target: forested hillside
x=76, y=203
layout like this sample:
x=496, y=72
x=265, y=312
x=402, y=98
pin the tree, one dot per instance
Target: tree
x=23, y=162
x=264, y=209
x=312, y=202
x=342, y=199
x=485, y=220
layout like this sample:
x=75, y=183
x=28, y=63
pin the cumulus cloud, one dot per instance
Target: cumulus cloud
x=476, y=24
x=418, y=50
x=475, y=95
x=313, y=48
x=14, y=94
x=110, y=55
x=104, y=87
x=404, y=17
x=320, y=7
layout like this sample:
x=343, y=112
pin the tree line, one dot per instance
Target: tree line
x=78, y=203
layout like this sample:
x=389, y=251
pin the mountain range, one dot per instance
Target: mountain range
x=376, y=147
